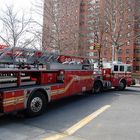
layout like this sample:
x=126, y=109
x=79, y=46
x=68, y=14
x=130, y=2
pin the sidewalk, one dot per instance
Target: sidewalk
x=137, y=85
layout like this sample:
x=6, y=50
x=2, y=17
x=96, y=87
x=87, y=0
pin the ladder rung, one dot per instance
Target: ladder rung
x=6, y=79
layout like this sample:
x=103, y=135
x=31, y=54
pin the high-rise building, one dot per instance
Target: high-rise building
x=136, y=41
x=89, y=10
x=61, y=25
x=68, y=25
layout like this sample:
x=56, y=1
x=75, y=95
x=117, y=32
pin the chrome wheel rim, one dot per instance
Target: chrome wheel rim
x=36, y=104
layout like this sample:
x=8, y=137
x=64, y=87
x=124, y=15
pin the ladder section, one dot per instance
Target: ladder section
x=16, y=78
x=30, y=59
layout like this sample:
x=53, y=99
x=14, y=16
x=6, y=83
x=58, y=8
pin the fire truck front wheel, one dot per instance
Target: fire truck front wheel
x=97, y=87
x=36, y=104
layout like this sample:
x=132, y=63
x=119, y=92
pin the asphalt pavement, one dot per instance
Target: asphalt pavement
x=112, y=115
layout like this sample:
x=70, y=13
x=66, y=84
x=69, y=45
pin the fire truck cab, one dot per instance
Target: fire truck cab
x=119, y=74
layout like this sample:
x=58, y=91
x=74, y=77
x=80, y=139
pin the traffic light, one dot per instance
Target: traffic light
x=96, y=46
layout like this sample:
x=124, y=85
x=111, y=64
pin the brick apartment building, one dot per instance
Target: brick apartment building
x=61, y=26
x=136, y=41
x=75, y=23
x=68, y=25
x=89, y=10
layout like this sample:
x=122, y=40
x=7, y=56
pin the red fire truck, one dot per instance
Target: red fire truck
x=30, y=79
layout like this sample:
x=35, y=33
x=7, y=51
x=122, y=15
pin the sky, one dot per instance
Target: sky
x=26, y=5
x=19, y=4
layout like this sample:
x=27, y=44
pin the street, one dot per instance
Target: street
x=115, y=116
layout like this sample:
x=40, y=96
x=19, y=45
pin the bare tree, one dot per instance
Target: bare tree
x=53, y=37
x=137, y=21
x=115, y=26
x=51, y=28
x=116, y=20
x=16, y=28
x=99, y=33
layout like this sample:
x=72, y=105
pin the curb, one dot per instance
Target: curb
x=137, y=86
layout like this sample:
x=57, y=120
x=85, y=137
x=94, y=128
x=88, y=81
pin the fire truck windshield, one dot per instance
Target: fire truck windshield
x=129, y=68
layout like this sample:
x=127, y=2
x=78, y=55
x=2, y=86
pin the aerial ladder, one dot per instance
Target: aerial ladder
x=17, y=65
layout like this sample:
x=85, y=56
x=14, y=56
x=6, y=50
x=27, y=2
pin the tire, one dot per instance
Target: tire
x=36, y=104
x=97, y=87
x=122, y=85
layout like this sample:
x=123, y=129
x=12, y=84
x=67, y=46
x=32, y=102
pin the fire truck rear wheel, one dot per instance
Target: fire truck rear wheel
x=122, y=85
x=97, y=87
x=36, y=104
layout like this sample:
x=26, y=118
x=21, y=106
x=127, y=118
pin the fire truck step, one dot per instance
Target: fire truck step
x=28, y=83
x=25, y=78
x=8, y=85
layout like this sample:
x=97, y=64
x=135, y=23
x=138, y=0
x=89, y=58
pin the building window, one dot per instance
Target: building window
x=134, y=68
x=120, y=59
x=82, y=10
x=120, y=51
x=106, y=44
x=137, y=50
x=137, y=68
x=128, y=43
x=130, y=18
x=127, y=51
x=127, y=59
x=95, y=54
x=129, y=26
x=129, y=9
x=82, y=23
x=91, y=54
x=82, y=17
x=138, y=59
x=128, y=34
x=137, y=42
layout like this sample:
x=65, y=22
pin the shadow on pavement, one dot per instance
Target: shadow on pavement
x=65, y=112
x=62, y=114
